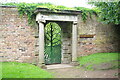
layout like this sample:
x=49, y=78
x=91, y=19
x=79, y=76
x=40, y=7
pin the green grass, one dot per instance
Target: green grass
x=95, y=59
x=23, y=70
x=0, y=71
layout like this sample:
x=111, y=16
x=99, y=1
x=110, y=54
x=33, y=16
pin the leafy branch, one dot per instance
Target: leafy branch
x=110, y=12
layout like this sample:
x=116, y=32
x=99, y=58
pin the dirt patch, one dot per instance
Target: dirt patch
x=81, y=73
x=102, y=66
x=108, y=65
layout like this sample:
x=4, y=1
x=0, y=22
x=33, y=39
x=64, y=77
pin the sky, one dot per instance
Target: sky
x=68, y=3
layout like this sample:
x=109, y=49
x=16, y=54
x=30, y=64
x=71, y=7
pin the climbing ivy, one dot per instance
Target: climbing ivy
x=86, y=12
x=29, y=8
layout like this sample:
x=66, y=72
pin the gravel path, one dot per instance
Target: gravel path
x=80, y=73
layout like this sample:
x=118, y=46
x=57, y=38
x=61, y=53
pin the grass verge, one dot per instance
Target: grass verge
x=0, y=71
x=23, y=70
x=100, y=61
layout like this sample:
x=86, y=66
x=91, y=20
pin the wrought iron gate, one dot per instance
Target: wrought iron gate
x=52, y=43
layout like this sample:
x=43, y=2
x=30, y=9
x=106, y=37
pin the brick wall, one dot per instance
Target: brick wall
x=105, y=38
x=17, y=42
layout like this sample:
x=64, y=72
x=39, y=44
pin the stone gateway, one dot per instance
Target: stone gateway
x=22, y=43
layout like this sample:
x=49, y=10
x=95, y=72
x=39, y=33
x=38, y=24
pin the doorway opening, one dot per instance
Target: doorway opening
x=52, y=54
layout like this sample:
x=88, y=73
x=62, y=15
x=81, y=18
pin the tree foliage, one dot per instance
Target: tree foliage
x=109, y=12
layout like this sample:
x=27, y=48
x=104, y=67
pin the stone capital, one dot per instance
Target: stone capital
x=41, y=20
x=75, y=23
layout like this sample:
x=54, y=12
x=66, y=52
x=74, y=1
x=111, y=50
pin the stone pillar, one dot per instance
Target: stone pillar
x=74, y=42
x=41, y=43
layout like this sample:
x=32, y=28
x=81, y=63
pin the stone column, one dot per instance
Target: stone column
x=41, y=43
x=74, y=42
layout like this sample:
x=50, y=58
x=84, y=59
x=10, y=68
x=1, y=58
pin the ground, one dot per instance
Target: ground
x=74, y=72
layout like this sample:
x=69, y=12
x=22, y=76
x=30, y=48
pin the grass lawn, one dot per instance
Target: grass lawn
x=0, y=71
x=100, y=58
x=23, y=70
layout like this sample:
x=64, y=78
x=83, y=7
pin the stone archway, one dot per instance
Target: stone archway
x=44, y=15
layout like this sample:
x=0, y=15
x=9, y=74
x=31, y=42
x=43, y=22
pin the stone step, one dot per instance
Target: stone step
x=58, y=66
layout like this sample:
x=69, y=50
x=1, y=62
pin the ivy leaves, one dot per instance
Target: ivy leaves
x=29, y=8
x=86, y=12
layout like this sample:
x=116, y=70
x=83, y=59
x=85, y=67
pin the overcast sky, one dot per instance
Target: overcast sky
x=68, y=3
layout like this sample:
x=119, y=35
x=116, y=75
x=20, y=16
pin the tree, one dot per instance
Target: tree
x=109, y=12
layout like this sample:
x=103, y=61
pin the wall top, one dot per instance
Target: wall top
x=7, y=6
x=58, y=11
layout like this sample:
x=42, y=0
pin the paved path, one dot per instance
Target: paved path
x=72, y=72
x=58, y=66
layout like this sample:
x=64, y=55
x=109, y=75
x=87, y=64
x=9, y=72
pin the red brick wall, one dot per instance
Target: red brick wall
x=17, y=42
x=105, y=37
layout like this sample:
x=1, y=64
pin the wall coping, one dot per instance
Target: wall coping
x=7, y=6
x=58, y=11
x=46, y=10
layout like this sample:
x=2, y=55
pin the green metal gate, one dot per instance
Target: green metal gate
x=52, y=43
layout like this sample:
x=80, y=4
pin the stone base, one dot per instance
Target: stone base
x=42, y=66
x=74, y=63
